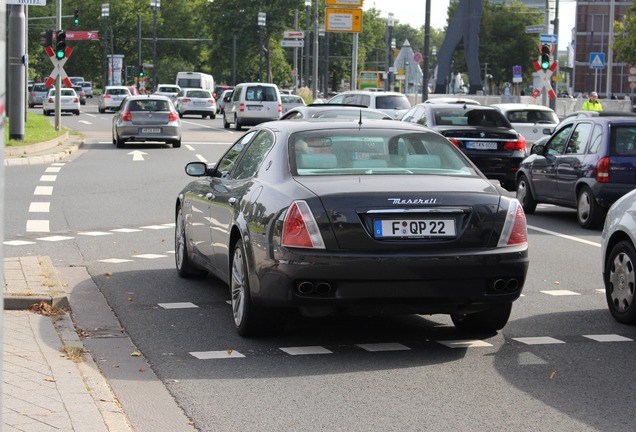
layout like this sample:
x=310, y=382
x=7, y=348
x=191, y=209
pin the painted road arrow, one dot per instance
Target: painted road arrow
x=137, y=155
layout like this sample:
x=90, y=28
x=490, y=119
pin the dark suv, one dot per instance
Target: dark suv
x=587, y=164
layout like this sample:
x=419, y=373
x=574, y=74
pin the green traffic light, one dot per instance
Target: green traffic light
x=545, y=65
x=76, y=21
x=59, y=55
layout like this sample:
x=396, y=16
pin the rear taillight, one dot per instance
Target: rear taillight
x=515, y=231
x=126, y=116
x=212, y=101
x=518, y=144
x=186, y=100
x=76, y=100
x=51, y=100
x=242, y=107
x=300, y=228
x=172, y=116
x=106, y=96
x=454, y=141
x=603, y=170
x=280, y=108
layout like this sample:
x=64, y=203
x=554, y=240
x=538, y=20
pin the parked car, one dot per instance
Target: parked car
x=529, y=120
x=335, y=111
x=392, y=103
x=291, y=101
x=88, y=89
x=146, y=118
x=37, y=94
x=192, y=101
x=481, y=132
x=80, y=92
x=587, y=164
x=169, y=90
x=111, y=98
x=252, y=104
x=225, y=98
x=618, y=261
x=69, y=102
x=366, y=217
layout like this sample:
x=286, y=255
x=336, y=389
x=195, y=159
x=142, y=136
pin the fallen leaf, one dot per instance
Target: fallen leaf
x=552, y=375
x=50, y=379
x=229, y=351
x=130, y=299
x=108, y=274
x=136, y=251
x=136, y=354
x=142, y=369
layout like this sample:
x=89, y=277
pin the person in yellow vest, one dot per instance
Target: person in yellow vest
x=592, y=104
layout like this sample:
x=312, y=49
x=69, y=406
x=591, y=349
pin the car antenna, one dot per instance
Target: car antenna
x=360, y=121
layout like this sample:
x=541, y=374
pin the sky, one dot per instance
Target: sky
x=408, y=12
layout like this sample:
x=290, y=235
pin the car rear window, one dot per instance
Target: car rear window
x=199, y=94
x=623, y=141
x=261, y=94
x=40, y=88
x=385, y=152
x=392, y=102
x=149, y=105
x=532, y=116
x=474, y=117
x=117, y=91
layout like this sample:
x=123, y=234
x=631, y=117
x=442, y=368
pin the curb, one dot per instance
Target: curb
x=42, y=153
x=35, y=148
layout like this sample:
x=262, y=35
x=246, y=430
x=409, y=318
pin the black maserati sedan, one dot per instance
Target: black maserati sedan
x=356, y=216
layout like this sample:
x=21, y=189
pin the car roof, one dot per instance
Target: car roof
x=521, y=106
x=314, y=108
x=466, y=106
x=311, y=124
x=147, y=97
x=374, y=93
x=453, y=100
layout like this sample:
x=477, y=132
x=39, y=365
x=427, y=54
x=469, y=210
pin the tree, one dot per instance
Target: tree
x=625, y=37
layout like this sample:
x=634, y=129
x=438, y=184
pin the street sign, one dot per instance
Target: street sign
x=82, y=35
x=294, y=34
x=632, y=85
x=632, y=74
x=548, y=38
x=58, y=67
x=535, y=29
x=545, y=76
x=597, y=60
x=349, y=3
x=417, y=57
x=343, y=20
x=292, y=43
x=26, y=2
x=516, y=74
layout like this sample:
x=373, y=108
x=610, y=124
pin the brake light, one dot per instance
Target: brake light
x=242, y=107
x=280, y=108
x=212, y=101
x=76, y=100
x=185, y=100
x=106, y=96
x=300, y=228
x=518, y=144
x=454, y=141
x=603, y=170
x=51, y=100
x=515, y=231
x=172, y=116
x=126, y=116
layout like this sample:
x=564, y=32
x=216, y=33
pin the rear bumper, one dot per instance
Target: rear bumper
x=499, y=167
x=133, y=133
x=355, y=284
x=253, y=121
x=607, y=194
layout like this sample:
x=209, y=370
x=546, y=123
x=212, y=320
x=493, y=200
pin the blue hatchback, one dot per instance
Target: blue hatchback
x=587, y=164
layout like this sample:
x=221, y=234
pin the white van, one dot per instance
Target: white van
x=252, y=104
x=195, y=80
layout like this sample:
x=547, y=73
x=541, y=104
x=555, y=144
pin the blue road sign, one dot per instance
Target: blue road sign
x=597, y=60
x=548, y=38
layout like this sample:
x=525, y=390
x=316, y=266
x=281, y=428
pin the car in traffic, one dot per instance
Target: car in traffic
x=335, y=111
x=290, y=101
x=69, y=102
x=530, y=120
x=587, y=165
x=80, y=92
x=218, y=91
x=452, y=100
x=111, y=98
x=169, y=90
x=481, y=132
x=38, y=94
x=252, y=104
x=393, y=103
x=618, y=262
x=372, y=217
x=88, y=89
x=225, y=98
x=193, y=101
x=146, y=118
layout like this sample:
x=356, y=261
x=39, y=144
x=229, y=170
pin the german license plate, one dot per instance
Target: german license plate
x=413, y=228
x=253, y=108
x=481, y=145
x=200, y=103
x=150, y=130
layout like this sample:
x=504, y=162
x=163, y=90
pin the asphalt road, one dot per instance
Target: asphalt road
x=561, y=363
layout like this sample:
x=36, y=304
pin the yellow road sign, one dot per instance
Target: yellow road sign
x=349, y=3
x=343, y=20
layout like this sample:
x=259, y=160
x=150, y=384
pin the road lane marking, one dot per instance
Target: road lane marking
x=85, y=122
x=466, y=343
x=34, y=225
x=609, y=338
x=208, y=355
x=560, y=293
x=137, y=155
x=201, y=158
x=43, y=190
x=94, y=233
x=541, y=340
x=17, y=242
x=155, y=227
x=564, y=236
x=150, y=256
x=55, y=238
x=383, y=347
x=189, y=147
x=306, y=350
x=48, y=178
x=39, y=207
x=53, y=169
x=115, y=260
x=177, y=305
x=126, y=230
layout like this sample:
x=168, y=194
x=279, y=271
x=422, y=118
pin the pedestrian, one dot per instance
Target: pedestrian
x=592, y=104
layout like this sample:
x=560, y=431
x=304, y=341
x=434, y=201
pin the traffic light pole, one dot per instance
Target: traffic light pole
x=58, y=80
x=17, y=57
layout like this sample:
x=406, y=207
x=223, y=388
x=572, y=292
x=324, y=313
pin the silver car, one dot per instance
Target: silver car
x=38, y=94
x=88, y=89
x=291, y=101
x=69, y=102
x=168, y=90
x=112, y=98
x=147, y=118
x=193, y=101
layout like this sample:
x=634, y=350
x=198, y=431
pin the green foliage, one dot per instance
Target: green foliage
x=625, y=37
x=37, y=129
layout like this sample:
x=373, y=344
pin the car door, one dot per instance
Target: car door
x=235, y=189
x=568, y=164
x=543, y=172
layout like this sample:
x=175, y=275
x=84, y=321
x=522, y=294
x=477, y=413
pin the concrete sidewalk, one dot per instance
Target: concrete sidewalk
x=50, y=382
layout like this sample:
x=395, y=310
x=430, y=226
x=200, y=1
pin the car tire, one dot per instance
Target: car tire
x=185, y=267
x=101, y=110
x=620, y=282
x=492, y=319
x=176, y=144
x=119, y=142
x=212, y=116
x=203, y=116
x=180, y=115
x=226, y=125
x=237, y=124
x=524, y=195
x=77, y=113
x=589, y=214
x=31, y=105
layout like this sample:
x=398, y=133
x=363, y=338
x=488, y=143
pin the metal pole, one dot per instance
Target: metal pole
x=58, y=80
x=296, y=55
x=260, y=55
x=427, y=47
x=354, y=63
x=556, y=55
x=610, y=49
x=314, y=84
x=3, y=38
x=387, y=43
x=154, y=41
x=139, y=59
x=307, y=50
x=233, y=60
x=17, y=23
x=105, y=49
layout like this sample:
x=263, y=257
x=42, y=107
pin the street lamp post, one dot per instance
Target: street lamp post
x=307, y=50
x=155, y=5
x=105, y=13
x=262, y=17
x=390, y=23
x=314, y=84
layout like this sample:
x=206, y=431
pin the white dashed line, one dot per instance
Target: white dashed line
x=39, y=207
x=466, y=343
x=178, y=305
x=383, y=347
x=115, y=260
x=541, y=340
x=560, y=293
x=307, y=350
x=208, y=355
x=609, y=338
x=43, y=190
x=126, y=230
x=155, y=227
x=55, y=238
x=94, y=233
x=150, y=256
x=37, y=226
x=189, y=147
x=17, y=243
x=53, y=169
x=48, y=178
x=201, y=158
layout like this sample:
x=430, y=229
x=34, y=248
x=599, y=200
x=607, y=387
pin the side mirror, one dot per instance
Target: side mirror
x=538, y=149
x=196, y=169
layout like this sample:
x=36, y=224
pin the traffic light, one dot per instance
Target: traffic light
x=60, y=44
x=545, y=56
x=46, y=38
x=141, y=71
x=258, y=77
x=76, y=16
